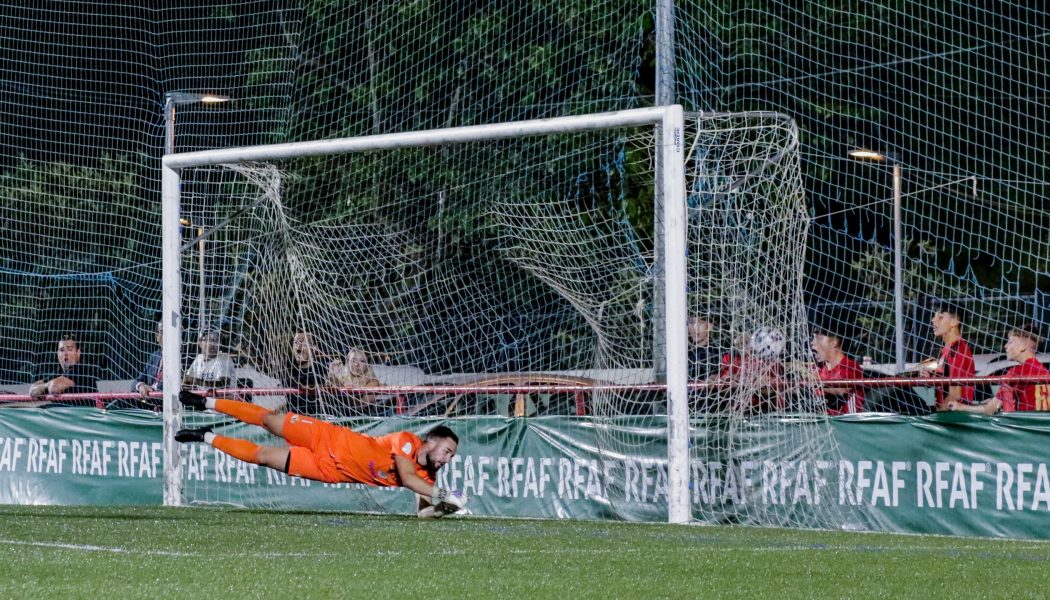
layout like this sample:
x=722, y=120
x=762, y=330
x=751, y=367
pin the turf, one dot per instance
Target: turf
x=214, y=553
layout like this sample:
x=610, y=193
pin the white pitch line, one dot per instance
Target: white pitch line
x=91, y=548
x=177, y=553
x=548, y=551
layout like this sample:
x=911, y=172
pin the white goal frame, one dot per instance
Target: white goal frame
x=670, y=184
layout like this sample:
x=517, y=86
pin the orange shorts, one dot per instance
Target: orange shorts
x=310, y=440
x=325, y=452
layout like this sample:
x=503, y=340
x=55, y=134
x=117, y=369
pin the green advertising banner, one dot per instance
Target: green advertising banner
x=950, y=474
x=79, y=456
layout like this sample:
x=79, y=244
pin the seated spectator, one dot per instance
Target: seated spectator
x=1021, y=345
x=703, y=360
x=211, y=368
x=703, y=364
x=733, y=360
x=69, y=376
x=752, y=375
x=151, y=379
x=835, y=365
x=356, y=373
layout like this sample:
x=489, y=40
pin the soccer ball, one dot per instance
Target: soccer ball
x=767, y=343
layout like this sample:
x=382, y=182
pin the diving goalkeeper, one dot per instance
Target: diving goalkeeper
x=326, y=452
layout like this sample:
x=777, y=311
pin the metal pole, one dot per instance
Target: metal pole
x=665, y=96
x=169, y=148
x=898, y=268
x=169, y=124
x=418, y=139
x=200, y=266
x=665, y=76
x=171, y=301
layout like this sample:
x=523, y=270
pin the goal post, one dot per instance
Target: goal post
x=669, y=121
x=672, y=165
x=511, y=281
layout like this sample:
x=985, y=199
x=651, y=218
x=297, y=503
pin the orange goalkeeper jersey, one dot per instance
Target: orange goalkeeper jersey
x=328, y=452
x=406, y=444
x=365, y=459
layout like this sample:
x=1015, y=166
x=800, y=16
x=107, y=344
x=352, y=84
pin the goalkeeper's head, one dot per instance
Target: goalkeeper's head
x=439, y=446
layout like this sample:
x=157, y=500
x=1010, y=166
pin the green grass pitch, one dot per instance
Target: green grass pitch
x=62, y=552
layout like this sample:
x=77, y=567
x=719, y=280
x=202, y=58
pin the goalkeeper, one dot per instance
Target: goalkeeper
x=326, y=452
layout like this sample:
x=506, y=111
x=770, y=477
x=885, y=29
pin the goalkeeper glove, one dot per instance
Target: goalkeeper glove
x=448, y=500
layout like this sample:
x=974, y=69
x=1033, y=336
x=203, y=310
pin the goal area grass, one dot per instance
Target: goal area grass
x=85, y=552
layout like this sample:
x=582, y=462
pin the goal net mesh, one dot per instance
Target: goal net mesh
x=947, y=88
x=516, y=263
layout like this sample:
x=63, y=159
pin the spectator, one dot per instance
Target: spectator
x=151, y=379
x=956, y=359
x=304, y=372
x=752, y=375
x=1021, y=345
x=835, y=365
x=211, y=368
x=152, y=376
x=703, y=360
x=69, y=376
x=356, y=373
x=733, y=361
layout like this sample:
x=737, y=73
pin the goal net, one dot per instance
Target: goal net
x=485, y=280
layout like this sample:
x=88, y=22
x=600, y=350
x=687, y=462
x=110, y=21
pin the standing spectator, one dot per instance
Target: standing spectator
x=211, y=368
x=733, y=360
x=304, y=372
x=69, y=376
x=1021, y=345
x=835, y=365
x=956, y=359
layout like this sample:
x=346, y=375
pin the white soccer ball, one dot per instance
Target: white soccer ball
x=767, y=343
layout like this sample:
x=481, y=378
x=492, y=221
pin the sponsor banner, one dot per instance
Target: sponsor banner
x=79, y=456
x=956, y=474
x=951, y=474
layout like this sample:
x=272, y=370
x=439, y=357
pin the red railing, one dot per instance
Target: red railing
x=391, y=390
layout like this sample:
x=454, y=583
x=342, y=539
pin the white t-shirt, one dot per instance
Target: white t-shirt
x=214, y=369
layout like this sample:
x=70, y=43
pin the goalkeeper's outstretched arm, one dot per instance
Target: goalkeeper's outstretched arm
x=434, y=501
x=406, y=471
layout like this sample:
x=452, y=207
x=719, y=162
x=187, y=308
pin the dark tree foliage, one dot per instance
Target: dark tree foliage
x=953, y=89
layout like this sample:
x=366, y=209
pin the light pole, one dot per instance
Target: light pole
x=171, y=100
x=898, y=259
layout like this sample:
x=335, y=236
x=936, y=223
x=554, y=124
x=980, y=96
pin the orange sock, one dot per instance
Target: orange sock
x=242, y=411
x=242, y=449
